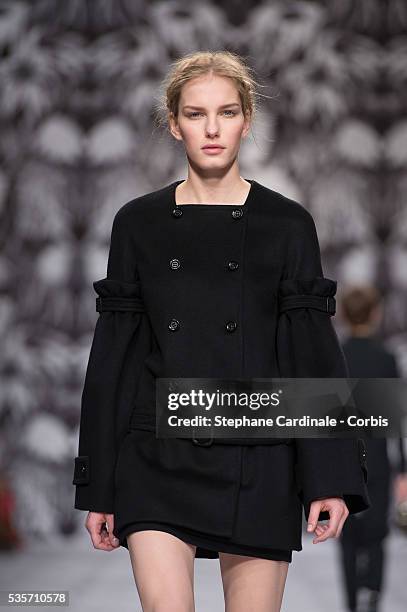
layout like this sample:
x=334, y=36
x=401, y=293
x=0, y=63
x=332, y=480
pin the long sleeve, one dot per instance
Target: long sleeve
x=400, y=466
x=308, y=347
x=120, y=343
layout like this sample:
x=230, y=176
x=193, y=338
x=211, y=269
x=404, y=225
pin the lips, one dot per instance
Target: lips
x=213, y=147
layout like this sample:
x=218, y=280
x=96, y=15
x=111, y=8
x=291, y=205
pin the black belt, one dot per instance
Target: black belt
x=147, y=422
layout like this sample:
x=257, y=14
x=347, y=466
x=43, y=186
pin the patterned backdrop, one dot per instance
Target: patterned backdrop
x=79, y=87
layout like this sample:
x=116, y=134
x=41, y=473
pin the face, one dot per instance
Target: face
x=210, y=113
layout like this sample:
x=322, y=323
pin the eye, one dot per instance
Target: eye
x=193, y=114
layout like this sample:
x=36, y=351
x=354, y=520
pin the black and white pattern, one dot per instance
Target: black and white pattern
x=79, y=85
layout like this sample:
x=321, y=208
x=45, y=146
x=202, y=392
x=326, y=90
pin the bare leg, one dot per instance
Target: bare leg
x=251, y=584
x=163, y=569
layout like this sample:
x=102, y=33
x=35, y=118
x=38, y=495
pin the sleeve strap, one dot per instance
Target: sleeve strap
x=123, y=304
x=324, y=303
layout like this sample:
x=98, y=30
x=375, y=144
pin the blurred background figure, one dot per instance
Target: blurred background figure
x=362, y=542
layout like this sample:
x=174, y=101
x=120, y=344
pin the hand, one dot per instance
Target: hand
x=102, y=538
x=338, y=513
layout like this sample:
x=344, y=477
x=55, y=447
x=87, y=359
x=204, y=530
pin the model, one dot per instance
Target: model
x=211, y=276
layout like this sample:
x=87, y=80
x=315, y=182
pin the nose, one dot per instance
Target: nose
x=212, y=128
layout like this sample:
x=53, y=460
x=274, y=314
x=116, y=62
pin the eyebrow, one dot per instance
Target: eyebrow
x=202, y=108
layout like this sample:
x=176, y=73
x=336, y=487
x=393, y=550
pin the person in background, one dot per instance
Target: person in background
x=363, y=537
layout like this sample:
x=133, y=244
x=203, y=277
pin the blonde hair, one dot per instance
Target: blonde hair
x=195, y=64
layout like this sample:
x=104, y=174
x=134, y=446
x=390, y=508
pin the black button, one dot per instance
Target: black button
x=175, y=264
x=231, y=326
x=233, y=265
x=237, y=213
x=362, y=451
x=173, y=325
x=177, y=212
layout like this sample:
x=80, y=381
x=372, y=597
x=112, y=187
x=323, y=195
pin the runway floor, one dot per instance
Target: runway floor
x=97, y=581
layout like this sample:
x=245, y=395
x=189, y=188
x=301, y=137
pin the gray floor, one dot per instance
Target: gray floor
x=103, y=582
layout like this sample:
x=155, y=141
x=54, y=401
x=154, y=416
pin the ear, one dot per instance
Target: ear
x=246, y=124
x=173, y=126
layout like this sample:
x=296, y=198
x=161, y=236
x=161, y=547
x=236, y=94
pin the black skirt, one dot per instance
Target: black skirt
x=223, y=498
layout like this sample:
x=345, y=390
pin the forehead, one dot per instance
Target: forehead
x=209, y=89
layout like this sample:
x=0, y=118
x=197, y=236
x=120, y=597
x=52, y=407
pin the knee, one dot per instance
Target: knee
x=168, y=600
x=169, y=604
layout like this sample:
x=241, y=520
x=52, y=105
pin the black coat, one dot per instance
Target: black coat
x=210, y=291
x=368, y=358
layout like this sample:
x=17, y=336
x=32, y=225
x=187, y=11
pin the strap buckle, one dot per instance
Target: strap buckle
x=202, y=441
x=330, y=304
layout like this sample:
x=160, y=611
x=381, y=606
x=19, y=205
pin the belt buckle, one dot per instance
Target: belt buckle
x=205, y=442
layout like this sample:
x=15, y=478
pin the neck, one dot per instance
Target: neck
x=229, y=189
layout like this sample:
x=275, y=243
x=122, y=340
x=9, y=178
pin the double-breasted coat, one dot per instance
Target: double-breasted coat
x=204, y=290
